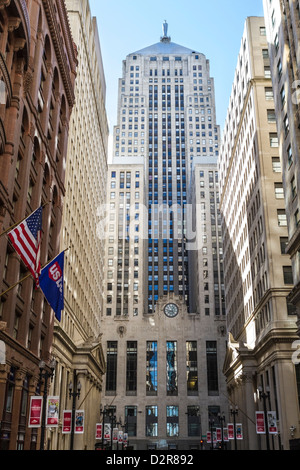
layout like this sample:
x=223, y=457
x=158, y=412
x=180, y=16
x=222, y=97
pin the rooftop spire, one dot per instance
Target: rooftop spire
x=165, y=37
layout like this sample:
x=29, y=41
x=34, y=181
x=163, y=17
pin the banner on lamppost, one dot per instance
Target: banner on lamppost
x=230, y=428
x=260, y=422
x=35, y=412
x=115, y=434
x=99, y=431
x=125, y=437
x=208, y=437
x=225, y=435
x=52, y=412
x=219, y=434
x=67, y=422
x=79, y=421
x=107, y=431
x=239, y=432
x=120, y=437
x=272, y=422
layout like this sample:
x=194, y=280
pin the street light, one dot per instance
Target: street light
x=45, y=374
x=74, y=392
x=264, y=396
x=234, y=413
x=222, y=419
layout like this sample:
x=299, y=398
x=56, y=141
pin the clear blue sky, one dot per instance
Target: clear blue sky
x=213, y=28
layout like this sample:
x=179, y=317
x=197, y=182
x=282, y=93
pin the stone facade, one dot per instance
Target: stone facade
x=77, y=338
x=257, y=272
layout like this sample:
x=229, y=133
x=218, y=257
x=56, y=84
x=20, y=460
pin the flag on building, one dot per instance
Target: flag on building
x=52, y=284
x=26, y=240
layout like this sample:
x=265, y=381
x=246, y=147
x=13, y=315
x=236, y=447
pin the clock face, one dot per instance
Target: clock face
x=171, y=310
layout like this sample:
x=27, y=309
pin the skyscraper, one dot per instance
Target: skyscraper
x=257, y=271
x=163, y=330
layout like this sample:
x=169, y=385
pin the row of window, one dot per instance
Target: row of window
x=171, y=367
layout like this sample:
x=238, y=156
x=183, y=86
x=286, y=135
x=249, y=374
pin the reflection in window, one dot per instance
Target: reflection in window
x=151, y=421
x=172, y=421
x=172, y=382
x=191, y=366
x=151, y=379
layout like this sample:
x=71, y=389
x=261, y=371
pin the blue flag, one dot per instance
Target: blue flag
x=52, y=284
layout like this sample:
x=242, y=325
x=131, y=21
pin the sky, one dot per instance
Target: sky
x=214, y=28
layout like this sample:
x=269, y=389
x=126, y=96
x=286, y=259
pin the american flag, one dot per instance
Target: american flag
x=26, y=240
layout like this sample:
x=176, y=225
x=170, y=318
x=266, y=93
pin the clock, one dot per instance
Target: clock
x=171, y=310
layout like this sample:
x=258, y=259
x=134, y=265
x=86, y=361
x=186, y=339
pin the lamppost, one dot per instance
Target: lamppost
x=211, y=423
x=45, y=374
x=234, y=413
x=110, y=412
x=74, y=392
x=264, y=396
x=222, y=419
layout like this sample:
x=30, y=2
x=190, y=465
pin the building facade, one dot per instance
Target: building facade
x=164, y=329
x=282, y=23
x=258, y=277
x=37, y=96
x=77, y=338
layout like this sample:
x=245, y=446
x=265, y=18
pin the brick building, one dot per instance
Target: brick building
x=37, y=67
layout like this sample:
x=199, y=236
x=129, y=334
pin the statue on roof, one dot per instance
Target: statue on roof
x=165, y=37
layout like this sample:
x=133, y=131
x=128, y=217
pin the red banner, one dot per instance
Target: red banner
x=35, y=412
x=99, y=431
x=260, y=422
x=208, y=437
x=67, y=422
x=230, y=428
x=52, y=411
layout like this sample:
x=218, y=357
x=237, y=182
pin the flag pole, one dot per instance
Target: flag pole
x=22, y=220
x=26, y=277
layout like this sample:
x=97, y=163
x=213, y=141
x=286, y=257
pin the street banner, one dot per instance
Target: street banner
x=120, y=437
x=107, y=431
x=239, y=432
x=67, y=422
x=225, y=435
x=125, y=437
x=35, y=412
x=79, y=421
x=260, y=422
x=99, y=431
x=115, y=435
x=208, y=437
x=219, y=434
x=272, y=422
x=52, y=412
x=230, y=428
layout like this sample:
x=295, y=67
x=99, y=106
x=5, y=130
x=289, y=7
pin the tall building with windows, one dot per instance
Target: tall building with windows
x=77, y=337
x=282, y=23
x=164, y=325
x=257, y=271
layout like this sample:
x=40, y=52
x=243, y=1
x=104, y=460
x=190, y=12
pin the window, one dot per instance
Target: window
x=287, y=275
x=273, y=140
x=293, y=187
x=271, y=115
x=276, y=164
x=194, y=421
x=191, y=366
x=151, y=421
x=283, y=244
x=131, y=369
x=281, y=216
x=111, y=368
x=172, y=388
x=131, y=420
x=212, y=368
x=279, y=193
x=172, y=421
x=151, y=365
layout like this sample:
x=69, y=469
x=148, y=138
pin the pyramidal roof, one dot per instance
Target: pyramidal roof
x=165, y=46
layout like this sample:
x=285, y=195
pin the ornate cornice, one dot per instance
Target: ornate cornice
x=66, y=64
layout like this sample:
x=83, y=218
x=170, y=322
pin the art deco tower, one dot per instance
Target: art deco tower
x=164, y=325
